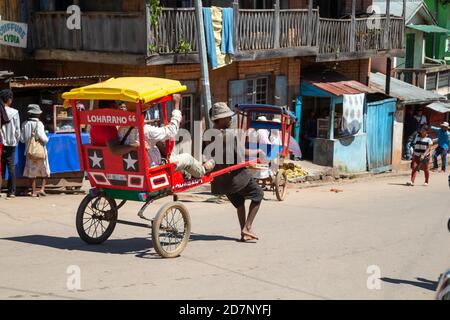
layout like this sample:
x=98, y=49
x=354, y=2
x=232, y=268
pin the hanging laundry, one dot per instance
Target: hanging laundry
x=209, y=37
x=218, y=24
x=353, y=113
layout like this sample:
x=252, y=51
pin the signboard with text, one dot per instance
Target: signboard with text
x=13, y=34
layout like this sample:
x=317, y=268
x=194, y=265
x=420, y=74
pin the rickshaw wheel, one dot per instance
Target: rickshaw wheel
x=281, y=184
x=96, y=219
x=448, y=225
x=171, y=230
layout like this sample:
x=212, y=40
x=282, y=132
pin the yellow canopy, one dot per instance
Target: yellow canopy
x=131, y=89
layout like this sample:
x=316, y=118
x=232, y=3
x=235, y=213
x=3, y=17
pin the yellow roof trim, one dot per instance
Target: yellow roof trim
x=130, y=89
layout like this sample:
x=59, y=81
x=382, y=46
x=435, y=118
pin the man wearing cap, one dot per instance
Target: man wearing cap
x=443, y=144
x=237, y=185
x=10, y=136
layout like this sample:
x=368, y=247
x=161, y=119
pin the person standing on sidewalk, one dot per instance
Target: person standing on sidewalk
x=443, y=143
x=33, y=128
x=3, y=120
x=421, y=155
x=10, y=133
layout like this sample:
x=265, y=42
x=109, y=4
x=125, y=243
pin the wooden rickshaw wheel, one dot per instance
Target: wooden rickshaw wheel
x=281, y=184
x=96, y=218
x=171, y=230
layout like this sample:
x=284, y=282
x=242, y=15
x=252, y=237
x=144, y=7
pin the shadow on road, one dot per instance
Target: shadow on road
x=421, y=283
x=140, y=247
x=399, y=184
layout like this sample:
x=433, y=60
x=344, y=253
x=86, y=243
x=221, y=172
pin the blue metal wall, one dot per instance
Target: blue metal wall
x=379, y=128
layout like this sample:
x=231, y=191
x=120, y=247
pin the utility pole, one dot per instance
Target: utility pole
x=205, y=87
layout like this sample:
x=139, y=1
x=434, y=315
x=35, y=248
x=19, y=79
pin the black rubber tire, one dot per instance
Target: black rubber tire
x=82, y=212
x=156, y=230
x=448, y=225
x=281, y=185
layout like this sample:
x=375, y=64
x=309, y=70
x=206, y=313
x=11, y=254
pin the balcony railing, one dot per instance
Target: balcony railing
x=176, y=31
x=431, y=78
x=335, y=35
x=256, y=30
x=291, y=31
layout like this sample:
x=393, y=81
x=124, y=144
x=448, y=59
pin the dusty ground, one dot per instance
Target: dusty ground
x=316, y=245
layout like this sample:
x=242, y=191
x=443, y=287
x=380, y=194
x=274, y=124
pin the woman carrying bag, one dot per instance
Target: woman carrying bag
x=33, y=135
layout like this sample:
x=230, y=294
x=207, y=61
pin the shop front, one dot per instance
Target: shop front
x=338, y=110
x=62, y=146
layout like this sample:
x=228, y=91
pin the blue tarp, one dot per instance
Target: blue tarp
x=62, y=153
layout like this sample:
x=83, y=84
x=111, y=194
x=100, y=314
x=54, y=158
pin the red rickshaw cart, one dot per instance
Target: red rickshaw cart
x=129, y=177
x=276, y=119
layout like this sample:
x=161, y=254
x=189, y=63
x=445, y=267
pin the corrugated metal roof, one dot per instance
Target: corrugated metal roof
x=439, y=107
x=396, y=8
x=404, y=92
x=335, y=83
x=429, y=28
x=56, y=82
x=343, y=87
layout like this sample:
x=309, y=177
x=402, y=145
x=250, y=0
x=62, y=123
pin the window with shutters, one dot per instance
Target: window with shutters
x=258, y=90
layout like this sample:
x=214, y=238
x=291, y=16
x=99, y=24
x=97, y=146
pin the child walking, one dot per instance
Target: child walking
x=35, y=168
x=421, y=155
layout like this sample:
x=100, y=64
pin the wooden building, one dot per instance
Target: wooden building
x=273, y=42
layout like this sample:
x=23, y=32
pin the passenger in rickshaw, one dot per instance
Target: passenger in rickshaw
x=237, y=185
x=108, y=136
x=184, y=162
x=268, y=140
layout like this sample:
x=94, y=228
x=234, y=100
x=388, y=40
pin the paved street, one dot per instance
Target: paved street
x=316, y=245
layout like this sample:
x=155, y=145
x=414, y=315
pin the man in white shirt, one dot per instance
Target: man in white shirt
x=10, y=136
x=184, y=162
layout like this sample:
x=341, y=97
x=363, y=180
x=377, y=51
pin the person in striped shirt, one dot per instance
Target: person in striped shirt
x=421, y=155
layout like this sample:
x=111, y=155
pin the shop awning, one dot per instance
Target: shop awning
x=406, y=93
x=428, y=28
x=331, y=84
x=439, y=107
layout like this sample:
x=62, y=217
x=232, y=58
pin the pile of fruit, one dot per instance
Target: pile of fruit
x=294, y=170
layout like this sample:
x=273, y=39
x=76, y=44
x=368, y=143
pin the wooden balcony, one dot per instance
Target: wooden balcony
x=432, y=77
x=338, y=41
x=258, y=34
x=128, y=38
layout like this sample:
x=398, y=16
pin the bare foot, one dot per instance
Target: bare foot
x=245, y=238
x=248, y=235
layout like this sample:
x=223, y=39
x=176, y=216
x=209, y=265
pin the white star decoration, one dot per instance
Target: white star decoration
x=96, y=160
x=130, y=162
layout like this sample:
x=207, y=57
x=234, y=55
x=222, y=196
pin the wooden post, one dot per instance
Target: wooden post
x=387, y=32
x=353, y=28
x=332, y=112
x=404, y=23
x=236, y=25
x=205, y=85
x=276, y=25
x=310, y=20
x=388, y=75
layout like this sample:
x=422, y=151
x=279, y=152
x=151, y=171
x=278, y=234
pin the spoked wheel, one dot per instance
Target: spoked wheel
x=171, y=230
x=96, y=219
x=281, y=184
